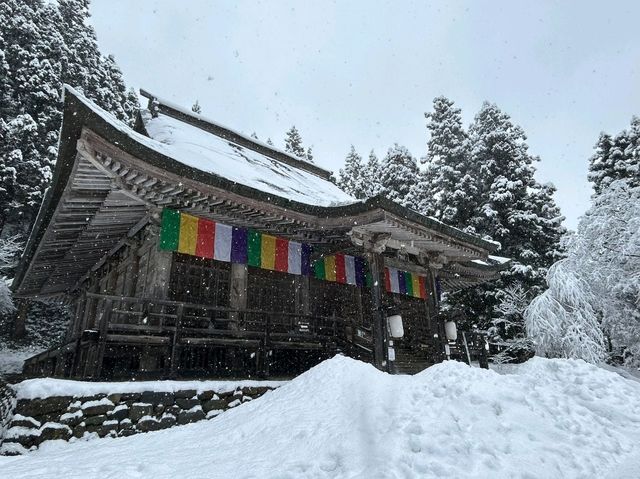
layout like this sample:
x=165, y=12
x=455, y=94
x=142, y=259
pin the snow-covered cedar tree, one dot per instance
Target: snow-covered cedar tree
x=371, y=176
x=309, y=154
x=562, y=321
x=594, y=294
x=44, y=45
x=293, y=143
x=360, y=179
x=512, y=209
x=419, y=198
x=197, y=109
x=512, y=302
x=448, y=187
x=351, y=178
x=398, y=172
x=269, y=142
x=616, y=158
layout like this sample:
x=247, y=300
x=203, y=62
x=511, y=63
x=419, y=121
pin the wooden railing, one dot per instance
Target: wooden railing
x=175, y=324
x=470, y=347
x=158, y=316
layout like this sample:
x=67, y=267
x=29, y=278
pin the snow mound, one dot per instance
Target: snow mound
x=345, y=419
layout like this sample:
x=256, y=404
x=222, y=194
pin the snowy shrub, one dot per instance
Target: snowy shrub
x=594, y=294
x=562, y=321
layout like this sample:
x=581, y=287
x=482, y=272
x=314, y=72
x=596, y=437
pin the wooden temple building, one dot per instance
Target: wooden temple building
x=184, y=248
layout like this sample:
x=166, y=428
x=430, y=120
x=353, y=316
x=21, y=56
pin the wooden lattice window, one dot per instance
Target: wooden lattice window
x=271, y=291
x=199, y=280
x=339, y=300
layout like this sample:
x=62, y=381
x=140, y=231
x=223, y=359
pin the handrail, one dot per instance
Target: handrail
x=46, y=352
x=166, y=302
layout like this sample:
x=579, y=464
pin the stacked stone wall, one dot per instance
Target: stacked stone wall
x=7, y=405
x=30, y=422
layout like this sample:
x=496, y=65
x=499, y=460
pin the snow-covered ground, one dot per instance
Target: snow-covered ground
x=12, y=360
x=345, y=419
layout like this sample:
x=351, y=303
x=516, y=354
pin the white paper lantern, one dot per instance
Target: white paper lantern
x=451, y=330
x=396, y=330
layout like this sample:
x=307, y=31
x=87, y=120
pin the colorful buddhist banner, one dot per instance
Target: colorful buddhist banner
x=195, y=236
x=342, y=268
x=403, y=282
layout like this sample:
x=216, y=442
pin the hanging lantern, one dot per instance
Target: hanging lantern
x=394, y=323
x=451, y=330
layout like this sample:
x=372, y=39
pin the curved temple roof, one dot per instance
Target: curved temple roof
x=178, y=151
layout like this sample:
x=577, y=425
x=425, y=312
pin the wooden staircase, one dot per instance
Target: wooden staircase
x=409, y=361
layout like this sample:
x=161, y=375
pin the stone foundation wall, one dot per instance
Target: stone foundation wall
x=30, y=422
x=7, y=405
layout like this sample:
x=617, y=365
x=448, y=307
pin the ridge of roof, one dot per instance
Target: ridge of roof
x=182, y=114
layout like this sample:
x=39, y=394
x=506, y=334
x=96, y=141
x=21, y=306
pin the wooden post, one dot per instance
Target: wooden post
x=265, y=347
x=20, y=321
x=484, y=356
x=238, y=295
x=379, y=328
x=102, y=337
x=175, y=345
x=238, y=287
x=303, y=303
x=442, y=337
x=159, y=267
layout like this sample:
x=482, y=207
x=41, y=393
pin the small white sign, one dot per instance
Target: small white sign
x=392, y=354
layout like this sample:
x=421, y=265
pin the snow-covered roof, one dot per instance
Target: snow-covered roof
x=492, y=261
x=292, y=179
x=214, y=148
x=205, y=151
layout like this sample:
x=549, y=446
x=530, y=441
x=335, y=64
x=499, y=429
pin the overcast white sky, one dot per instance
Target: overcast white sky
x=364, y=72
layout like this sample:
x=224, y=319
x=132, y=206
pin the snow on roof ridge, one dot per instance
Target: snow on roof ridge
x=184, y=111
x=474, y=235
x=499, y=259
x=303, y=183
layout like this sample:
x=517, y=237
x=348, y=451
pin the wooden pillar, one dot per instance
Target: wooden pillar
x=174, y=357
x=303, y=294
x=238, y=286
x=20, y=320
x=101, y=347
x=379, y=327
x=159, y=267
x=439, y=326
x=238, y=296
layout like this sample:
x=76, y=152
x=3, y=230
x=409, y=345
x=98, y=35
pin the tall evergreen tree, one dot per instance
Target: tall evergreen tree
x=351, y=178
x=398, y=173
x=42, y=46
x=447, y=189
x=513, y=209
x=616, y=158
x=293, y=143
x=371, y=176
x=420, y=197
x=309, y=155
